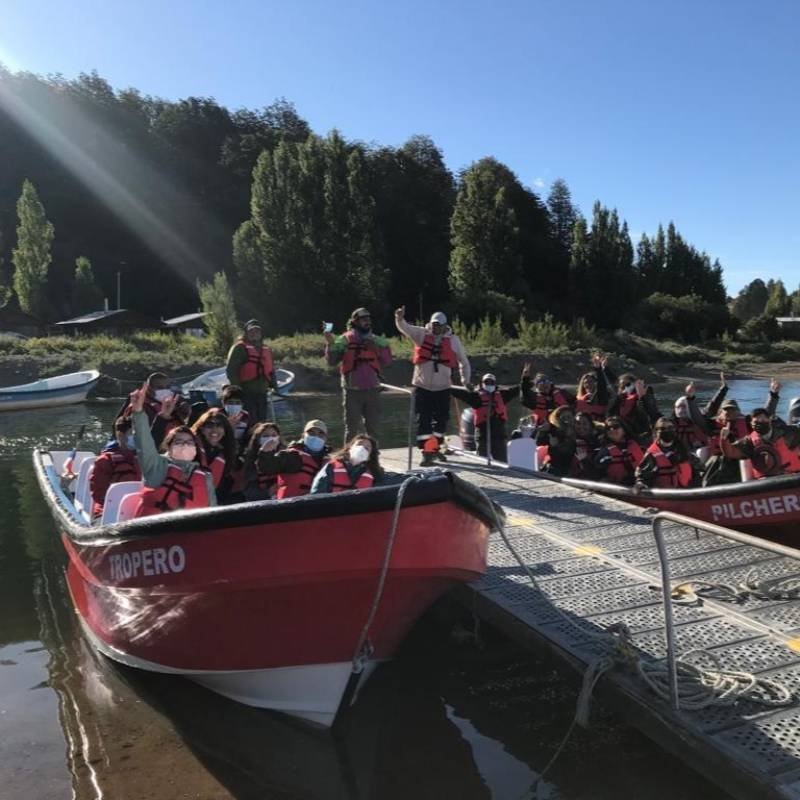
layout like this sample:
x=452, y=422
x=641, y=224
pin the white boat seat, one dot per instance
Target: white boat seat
x=83, y=492
x=129, y=506
x=115, y=496
x=522, y=453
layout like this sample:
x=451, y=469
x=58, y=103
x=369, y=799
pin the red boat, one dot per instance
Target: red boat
x=267, y=602
x=767, y=506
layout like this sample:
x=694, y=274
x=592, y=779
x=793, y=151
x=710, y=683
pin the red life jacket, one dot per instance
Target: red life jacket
x=341, y=481
x=545, y=403
x=628, y=404
x=596, y=411
x=739, y=430
x=775, y=457
x=582, y=458
x=542, y=455
x=123, y=468
x=151, y=407
x=296, y=484
x=499, y=410
x=356, y=353
x=216, y=466
x=175, y=493
x=267, y=483
x=669, y=475
x=441, y=353
x=258, y=364
x=690, y=434
x=624, y=460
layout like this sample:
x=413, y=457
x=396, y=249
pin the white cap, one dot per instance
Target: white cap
x=439, y=317
x=488, y=377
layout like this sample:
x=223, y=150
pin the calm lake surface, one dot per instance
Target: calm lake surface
x=446, y=718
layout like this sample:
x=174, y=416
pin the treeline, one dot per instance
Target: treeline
x=307, y=226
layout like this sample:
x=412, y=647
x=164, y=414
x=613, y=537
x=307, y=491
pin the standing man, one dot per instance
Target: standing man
x=437, y=352
x=250, y=366
x=361, y=356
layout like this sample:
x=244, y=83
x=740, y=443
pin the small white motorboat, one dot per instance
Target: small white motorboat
x=208, y=386
x=60, y=390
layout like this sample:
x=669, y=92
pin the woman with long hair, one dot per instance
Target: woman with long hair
x=259, y=485
x=217, y=449
x=355, y=466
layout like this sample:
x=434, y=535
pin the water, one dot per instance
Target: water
x=447, y=718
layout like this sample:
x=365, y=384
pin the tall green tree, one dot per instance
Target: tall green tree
x=86, y=295
x=563, y=213
x=778, y=303
x=32, y=254
x=751, y=301
x=216, y=298
x=6, y=292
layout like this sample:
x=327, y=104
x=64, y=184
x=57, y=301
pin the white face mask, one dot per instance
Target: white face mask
x=358, y=454
x=267, y=440
x=682, y=411
x=628, y=388
x=162, y=394
x=489, y=387
x=183, y=452
x=232, y=410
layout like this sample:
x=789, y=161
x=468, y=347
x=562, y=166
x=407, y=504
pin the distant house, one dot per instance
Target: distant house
x=118, y=322
x=193, y=324
x=13, y=320
x=789, y=326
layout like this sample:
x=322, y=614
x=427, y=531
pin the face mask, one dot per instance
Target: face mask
x=628, y=388
x=314, y=443
x=183, y=452
x=682, y=412
x=162, y=394
x=490, y=387
x=267, y=440
x=233, y=410
x=668, y=437
x=761, y=427
x=358, y=454
x=130, y=441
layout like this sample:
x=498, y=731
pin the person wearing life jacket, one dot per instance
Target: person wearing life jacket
x=666, y=463
x=793, y=416
x=217, y=452
x=258, y=485
x=116, y=463
x=691, y=428
x=488, y=400
x=635, y=404
x=586, y=445
x=556, y=442
x=296, y=465
x=250, y=366
x=361, y=355
x=355, y=466
x=591, y=395
x=158, y=390
x=772, y=446
x=173, y=479
x=233, y=407
x=616, y=460
x=437, y=353
x=541, y=395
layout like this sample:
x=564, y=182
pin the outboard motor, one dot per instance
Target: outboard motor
x=794, y=411
x=466, y=429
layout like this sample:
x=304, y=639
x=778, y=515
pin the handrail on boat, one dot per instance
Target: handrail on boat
x=666, y=577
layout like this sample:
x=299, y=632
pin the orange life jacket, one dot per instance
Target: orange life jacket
x=542, y=455
x=774, y=458
x=429, y=350
x=545, y=403
x=341, y=481
x=175, y=493
x=739, y=430
x=123, y=468
x=216, y=466
x=669, y=475
x=499, y=410
x=258, y=364
x=689, y=433
x=596, y=411
x=356, y=353
x=296, y=484
x=624, y=460
x=628, y=404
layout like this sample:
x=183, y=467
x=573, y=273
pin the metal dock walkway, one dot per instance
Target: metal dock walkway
x=596, y=560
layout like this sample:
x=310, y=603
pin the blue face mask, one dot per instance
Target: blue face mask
x=313, y=443
x=232, y=409
x=130, y=441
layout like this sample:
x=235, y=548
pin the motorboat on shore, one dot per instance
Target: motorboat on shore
x=60, y=390
x=208, y=386
x=268, y=602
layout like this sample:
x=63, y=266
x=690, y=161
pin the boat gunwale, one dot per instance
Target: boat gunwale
x=29, y=388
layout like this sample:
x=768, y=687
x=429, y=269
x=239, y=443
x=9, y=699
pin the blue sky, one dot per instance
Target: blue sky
x=686, y=111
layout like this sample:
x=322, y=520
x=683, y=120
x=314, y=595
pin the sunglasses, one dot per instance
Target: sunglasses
x=214, y=423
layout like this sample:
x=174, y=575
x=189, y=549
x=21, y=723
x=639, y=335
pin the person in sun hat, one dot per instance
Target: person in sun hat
x=437, y=352
x=361, y=355
x=250, y=366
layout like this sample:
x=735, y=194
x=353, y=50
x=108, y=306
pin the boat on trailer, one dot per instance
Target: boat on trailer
x=60, y=390
x=268, y=603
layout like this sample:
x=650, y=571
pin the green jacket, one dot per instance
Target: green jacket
x=237, y=356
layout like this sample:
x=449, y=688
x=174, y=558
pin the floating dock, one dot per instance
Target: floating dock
x=595, y=560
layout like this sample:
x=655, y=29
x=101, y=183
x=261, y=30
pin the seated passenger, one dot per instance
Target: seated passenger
x=666, y=463
x=772, y=445
x=591, y=396
x=217, y=451
x=636, y=405
x=691, y=428
x=356, y=466
x=158, y=390
x=116, y=463
x=233, y=404
x=616, y=460
x=174, y=412
x=555, y=441
x=173, y=479
x=586, y=444
x=541, y=396
x=297, y=465
x=265, y=437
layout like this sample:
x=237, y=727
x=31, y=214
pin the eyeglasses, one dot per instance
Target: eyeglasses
x=179, y=442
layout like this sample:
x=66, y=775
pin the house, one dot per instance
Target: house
x=193, y=324
x=789, y=326
x=16, y=322
x=117, y=322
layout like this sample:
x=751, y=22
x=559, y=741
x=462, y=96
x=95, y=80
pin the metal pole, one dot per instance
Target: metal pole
x=669, y=624
x=410, y=429
x=489, y=430
x=119, y=290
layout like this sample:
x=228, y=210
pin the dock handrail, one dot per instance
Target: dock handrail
x=666, y=577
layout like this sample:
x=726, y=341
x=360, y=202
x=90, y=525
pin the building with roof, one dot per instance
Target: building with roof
x=789, y=326
x=116, y=322
x=193, y=324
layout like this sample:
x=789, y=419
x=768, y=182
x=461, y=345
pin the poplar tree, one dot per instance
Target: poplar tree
x=86, y=296
x=778, y=303
x=217, y=301
x=6, y=291
x=31, y=256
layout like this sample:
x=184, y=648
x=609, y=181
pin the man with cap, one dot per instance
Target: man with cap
x=489, y=402
x=361, y=355
x=542, y=396
x=437, y=352
x=250, y=367
x=296, y=465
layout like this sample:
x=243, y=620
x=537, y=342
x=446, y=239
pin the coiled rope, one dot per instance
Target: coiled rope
x=785, y=587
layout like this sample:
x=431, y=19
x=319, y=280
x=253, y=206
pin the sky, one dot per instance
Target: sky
x=686, y=111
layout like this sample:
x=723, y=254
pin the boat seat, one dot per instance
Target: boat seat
x=115, y=496
x=129, y=506
x=522, y=453
x=83, y=491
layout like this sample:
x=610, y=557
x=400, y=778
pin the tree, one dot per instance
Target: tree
x=751, y=301
x=32, y=255
x=217, y=300
x=86, y=295
x=6, y=292
x=562, y=213
x=778, y=303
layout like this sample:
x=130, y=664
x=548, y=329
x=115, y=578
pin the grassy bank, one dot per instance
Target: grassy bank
x=129, y=360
